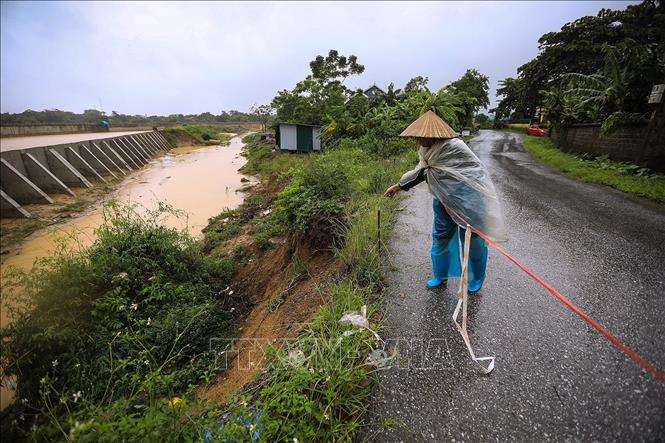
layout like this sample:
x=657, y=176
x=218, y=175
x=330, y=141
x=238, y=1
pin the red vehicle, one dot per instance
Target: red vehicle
x=536, y=130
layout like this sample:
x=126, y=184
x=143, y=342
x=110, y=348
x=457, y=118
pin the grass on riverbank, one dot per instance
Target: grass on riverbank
x=319, y=386
x=118, y=335
x=102, y=339
x=622, y=176
x=197, y=135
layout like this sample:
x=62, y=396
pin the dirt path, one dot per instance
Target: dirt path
x=555, y=377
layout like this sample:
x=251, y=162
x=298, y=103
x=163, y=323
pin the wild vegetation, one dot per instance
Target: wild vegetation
x=102, y=339
x=110, y=342
x=595, y=69
x=199, y=134
x=322, y=99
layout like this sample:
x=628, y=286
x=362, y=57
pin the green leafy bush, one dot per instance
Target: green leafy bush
x=130, y=317
x=200, y=134
x=316, y=197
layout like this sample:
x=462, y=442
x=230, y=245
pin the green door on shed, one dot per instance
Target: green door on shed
x=304, y=141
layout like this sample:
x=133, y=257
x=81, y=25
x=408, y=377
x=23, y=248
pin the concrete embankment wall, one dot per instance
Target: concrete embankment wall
x=28, y=130
x=644, y=146
x=32, y=175
x=51, y=129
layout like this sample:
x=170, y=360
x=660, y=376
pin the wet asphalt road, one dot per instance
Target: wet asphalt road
x=555, y=378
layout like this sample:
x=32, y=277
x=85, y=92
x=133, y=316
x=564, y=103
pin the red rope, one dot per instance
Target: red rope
x=639, y=360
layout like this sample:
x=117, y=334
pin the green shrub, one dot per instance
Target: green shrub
x=315, y=198
x=200, y=134
x=262, y=241
x=218, y=234
x=130, y=317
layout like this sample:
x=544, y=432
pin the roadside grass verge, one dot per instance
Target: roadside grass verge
x=625, y=177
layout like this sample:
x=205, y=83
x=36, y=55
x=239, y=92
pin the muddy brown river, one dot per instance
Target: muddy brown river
x=201, y=181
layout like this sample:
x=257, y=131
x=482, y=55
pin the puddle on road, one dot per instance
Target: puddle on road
x=201, y=181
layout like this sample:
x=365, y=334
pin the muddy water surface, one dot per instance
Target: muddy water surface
x=201, y=181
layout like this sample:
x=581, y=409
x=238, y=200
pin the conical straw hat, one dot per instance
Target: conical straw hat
x=429, y=125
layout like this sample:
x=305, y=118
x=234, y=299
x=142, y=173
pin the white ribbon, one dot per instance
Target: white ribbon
x=462, y=301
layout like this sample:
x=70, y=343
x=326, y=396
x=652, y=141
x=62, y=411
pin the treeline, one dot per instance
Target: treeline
x=595, y=69
x=94, y=116
x=322, y=99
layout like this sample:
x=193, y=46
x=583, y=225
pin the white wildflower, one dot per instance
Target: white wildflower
x=252, y=427
x=149, y=320
x=54, y=363
x=77, y=396
x=135, y=306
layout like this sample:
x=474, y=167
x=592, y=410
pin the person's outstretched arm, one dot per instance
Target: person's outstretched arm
x=406, y=185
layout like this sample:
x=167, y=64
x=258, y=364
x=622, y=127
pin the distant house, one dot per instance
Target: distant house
x=295, y=137
x=373, y=93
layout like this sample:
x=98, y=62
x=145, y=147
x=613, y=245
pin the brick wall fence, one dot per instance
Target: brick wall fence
x=641, y=145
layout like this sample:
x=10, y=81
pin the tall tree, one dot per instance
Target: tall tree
x=321, y=94
x=262, y=113
x=578, y=48
x=476, y=86
x=417, y=84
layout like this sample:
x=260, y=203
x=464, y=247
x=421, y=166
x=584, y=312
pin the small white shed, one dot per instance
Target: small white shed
x=301, y=138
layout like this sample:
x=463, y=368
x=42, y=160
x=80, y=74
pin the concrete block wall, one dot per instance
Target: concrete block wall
x=641, y=145
x=32, y=175
x=47, y=129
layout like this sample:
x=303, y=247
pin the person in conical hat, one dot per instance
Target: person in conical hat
x=463, y=193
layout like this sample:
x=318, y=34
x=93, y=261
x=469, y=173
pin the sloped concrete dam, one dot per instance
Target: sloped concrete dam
x=30, y=175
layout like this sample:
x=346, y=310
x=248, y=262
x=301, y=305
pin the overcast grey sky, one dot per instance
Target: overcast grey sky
x=163, y=58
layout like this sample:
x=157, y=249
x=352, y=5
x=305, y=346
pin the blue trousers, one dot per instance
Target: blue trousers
x=446, y=236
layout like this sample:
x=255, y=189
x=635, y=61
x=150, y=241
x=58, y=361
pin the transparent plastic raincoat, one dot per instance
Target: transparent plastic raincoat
x=457, y=178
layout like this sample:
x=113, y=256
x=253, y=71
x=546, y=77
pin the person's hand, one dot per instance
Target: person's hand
x=394, y=189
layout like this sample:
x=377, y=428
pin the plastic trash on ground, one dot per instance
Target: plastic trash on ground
x=357, y=319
